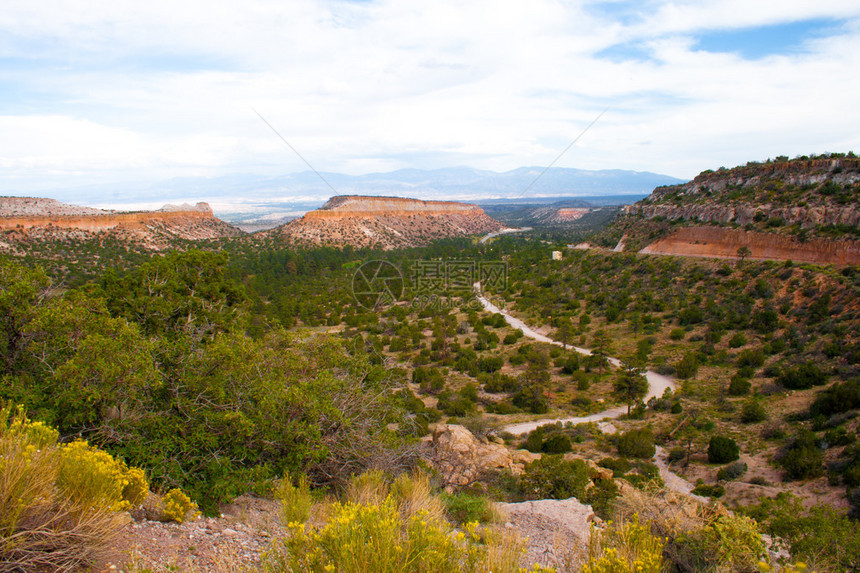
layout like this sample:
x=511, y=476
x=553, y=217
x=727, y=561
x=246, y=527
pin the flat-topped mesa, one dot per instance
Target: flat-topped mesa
x=27, y=219
x=385, y=222
x=50, y=213
x=41, y=207
x=362, y=206
x=200, y=207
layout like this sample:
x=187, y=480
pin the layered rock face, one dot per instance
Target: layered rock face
x=787, y=190
x=46, y=219
x=744, y=213
x=805, y=210
x=386, y=222
x=721, y=242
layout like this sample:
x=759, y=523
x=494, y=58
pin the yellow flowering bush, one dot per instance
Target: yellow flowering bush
x=798, y=567
x=94, y=478
x=624, y=548
x=176, y=506
x=376, y=537
x=57, y=502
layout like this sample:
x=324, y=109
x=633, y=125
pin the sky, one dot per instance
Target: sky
x=119, y=92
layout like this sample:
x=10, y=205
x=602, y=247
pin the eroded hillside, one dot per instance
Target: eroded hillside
x=801, y=209
x=385, y=222
x=26, y=220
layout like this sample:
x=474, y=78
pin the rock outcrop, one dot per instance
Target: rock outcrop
x=805, y=210
x=808, y=193
x=557, y=530
x=385, y=222
x=462, y=459
x=744, y=214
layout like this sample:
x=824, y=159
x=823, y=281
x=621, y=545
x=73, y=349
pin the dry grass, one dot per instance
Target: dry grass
x=44, y=527
x=39, y=528
x=414, y=493
x=369, y=488
x=670, y=514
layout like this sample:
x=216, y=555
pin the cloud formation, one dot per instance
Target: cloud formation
x=117, y=91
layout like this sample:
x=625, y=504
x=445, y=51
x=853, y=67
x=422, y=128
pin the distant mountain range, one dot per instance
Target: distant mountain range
x=247, y=197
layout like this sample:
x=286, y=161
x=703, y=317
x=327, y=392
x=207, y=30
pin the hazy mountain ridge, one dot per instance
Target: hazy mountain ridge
x=245, y=196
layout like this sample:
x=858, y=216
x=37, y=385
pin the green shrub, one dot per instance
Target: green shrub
x=737, y=340
x=840, y=436
x=732, y=471
x=601, y=497
x=839, y=397
x=677, y=333
x=465, y=508
x=821, y=534
x=727, y=543
x=739, y=385
x=801, y=377
x=534, y=441
x=802, y=459
x=753, y=412
x=502, y=408
x=554, y=477
x=687, y=367
x=706, y=490
x=676, y=455
x=722, y=450
x=691, y=315
x=497, y=383
x=530, y=399
x=637, y=443
x=571, y=364
x=557, y=444
x=752, y=358
x=619, y=466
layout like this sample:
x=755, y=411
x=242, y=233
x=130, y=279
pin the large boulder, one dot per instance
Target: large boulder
x=461, y=458
x=557, y=530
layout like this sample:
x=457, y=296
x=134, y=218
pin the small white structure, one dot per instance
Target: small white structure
x=556, y=255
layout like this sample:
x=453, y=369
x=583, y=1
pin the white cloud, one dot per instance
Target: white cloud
x=119, y=90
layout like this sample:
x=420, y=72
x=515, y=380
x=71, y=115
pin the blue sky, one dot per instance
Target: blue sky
x=115, y=92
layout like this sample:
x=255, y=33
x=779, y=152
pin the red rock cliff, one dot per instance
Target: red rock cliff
x=721, y=242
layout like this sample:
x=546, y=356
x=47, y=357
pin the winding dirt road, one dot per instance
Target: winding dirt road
x=657, y=383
